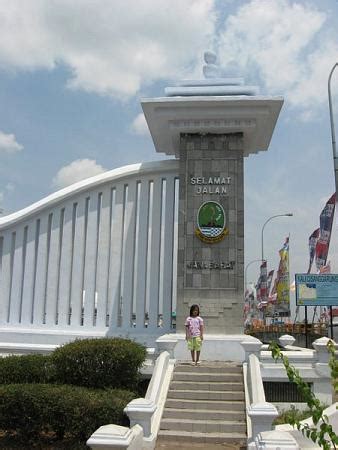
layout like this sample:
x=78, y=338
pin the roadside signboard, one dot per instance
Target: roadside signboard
x=316, y=290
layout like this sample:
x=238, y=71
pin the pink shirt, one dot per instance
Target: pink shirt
x=194, y=325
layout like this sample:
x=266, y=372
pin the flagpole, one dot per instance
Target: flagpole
x=334, y=152
x=268, y=220
x=245, y=272
x=306, y=335
x=333, y=135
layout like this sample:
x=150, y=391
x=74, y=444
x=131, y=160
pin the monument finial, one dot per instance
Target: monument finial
x=210, y=57
x=218, y=81
x=212, y=68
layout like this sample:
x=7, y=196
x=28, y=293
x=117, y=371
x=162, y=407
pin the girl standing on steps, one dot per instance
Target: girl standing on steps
x=194, y=330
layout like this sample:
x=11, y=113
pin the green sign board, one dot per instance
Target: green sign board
x=316, y=290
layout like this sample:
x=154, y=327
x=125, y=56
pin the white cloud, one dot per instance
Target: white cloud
x=118, y=47
x=140, y=126
x=76, y=171
x=290, y=45
x=111, y=48
x=8, y=143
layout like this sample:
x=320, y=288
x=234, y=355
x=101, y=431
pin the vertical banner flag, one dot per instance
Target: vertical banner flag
x=323, y=243
x=269, y=281
x=258, y=289
x=283, y=281
x=249, y=307
x=269, y=308
x=262, y=295
x=273, y=293
x=312, y=247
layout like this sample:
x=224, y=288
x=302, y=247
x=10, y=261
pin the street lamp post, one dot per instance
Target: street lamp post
x=270, y=218
x=333, y=136
x=245, y=271
x=245, y=279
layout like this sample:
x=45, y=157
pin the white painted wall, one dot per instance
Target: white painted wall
x=91, y=259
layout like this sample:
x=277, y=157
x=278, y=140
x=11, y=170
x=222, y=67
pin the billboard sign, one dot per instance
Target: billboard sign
x=316, y=290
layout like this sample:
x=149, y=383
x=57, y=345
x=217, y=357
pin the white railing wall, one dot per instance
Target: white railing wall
x=95, y=257
x=260, y=414
x=144, y=414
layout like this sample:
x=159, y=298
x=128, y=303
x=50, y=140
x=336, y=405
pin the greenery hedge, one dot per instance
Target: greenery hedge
x=70, y=392
x=26, y=369
x=99, y=363
x=29, y=409
x=93, y=363
x=291, y=415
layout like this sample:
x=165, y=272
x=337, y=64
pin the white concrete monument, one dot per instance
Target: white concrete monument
x=96, y=258
x=210, y=125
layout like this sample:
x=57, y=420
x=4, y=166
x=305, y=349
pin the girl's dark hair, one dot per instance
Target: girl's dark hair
x=192, y=307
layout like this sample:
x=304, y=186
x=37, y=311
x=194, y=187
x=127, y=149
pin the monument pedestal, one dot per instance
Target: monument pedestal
x=210, y=247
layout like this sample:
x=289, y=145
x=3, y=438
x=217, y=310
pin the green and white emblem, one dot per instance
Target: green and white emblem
x=211, y=222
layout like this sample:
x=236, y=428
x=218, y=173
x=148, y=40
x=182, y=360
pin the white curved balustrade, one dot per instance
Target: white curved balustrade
x=94, y=258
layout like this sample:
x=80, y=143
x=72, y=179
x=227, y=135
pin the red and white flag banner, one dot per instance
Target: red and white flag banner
x=326, y=221
x=269, y=281
x=312, y=247
x=263, y=283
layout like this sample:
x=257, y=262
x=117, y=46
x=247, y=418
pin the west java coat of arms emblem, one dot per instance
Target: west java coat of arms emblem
x=211, y=222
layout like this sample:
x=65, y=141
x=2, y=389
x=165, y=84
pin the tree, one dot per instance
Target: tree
x=323, y=435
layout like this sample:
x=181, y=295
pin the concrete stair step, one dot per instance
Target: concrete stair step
x=223, y=405
x=207, y=386
x=197, y=437
x=211, y=377
x=165, y=445
x=203, y=426
x=207, y=368
x=205, y=395
x=203, y=414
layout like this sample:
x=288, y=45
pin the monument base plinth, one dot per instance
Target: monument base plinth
x=216, y=347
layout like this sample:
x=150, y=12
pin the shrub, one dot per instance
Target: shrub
x=29, y=409
x=26, y=369
x=291, y=415
x=99, y=363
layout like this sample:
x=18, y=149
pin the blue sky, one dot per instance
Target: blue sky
x=72, y=74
